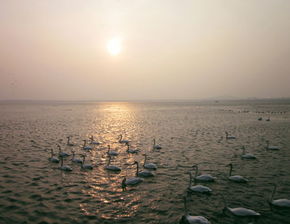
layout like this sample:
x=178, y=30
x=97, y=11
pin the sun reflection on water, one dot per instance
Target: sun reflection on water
x=104, y=187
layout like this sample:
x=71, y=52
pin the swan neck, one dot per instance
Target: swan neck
x=190, y=179
x=185, y=205
x=225, y=203
x=196, y=171
x=273, y=193
x=145, y=159
x=137, y=171
x=231, y=169
x=124, y=183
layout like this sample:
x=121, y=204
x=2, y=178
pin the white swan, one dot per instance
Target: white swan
x=111, y=153
x=150, y=166
x=156, y=146
x=189, y=219
x=86, y=166
x=279, y=203
x=64, y=167
x=198, y=188
x=229, y=137
x=123, y=141
x=75, y=160
x=111, y=167
x=132, y=151
x=131, y=182
x=145, y=173
x=241, y=212
x=86, y=147
x=236, y=178
x=68, y=141
x=93, y=142
x=247, y=155
x=203, y=177
x=271, y=147
x=60, y=153
x=53, y=159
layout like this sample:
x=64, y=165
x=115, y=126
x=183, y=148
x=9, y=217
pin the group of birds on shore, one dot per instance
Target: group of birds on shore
x=149, y=167
x=239, y=211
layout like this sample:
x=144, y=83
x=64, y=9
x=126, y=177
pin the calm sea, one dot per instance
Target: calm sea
x=34, y=190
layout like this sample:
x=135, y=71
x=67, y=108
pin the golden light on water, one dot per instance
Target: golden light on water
x=104, y=188
x=114, y=46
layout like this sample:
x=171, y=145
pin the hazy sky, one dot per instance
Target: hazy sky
x=169, y=49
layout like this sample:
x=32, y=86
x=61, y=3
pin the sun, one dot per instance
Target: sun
x=114, y=46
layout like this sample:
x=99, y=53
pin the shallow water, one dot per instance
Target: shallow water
x=33, y=190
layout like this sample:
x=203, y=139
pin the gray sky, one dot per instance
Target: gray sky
x=189, y=49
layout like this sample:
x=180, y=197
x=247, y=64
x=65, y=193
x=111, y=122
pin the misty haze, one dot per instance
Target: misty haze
x=165, y=111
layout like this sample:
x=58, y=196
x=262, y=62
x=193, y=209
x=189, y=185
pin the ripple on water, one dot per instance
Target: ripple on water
x=33, y=190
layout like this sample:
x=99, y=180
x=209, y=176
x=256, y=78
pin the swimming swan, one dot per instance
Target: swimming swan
x=132, y=151
x=280, y=203
x=75, y=160
x=60, y=153
x=93, y=142
x=64, y=167
x=111, y=167
x=189, y=219
x=53, y=159
x=156, y=146
x=68, y=141
x=132, y=181
x=111, y=153
x=123, y=141
x=271, y=147
x=86, y=147
x=145, y=173
x=229, y=137
x=150, y=166
x=241, y=212
x=247, y=155
x=236, y=178
x=203, y=177
x=197, y=188
x=86, y=166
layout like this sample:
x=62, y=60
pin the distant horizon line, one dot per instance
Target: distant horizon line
x=147, y=100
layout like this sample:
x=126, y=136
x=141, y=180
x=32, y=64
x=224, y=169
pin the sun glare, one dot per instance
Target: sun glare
x=114, y=46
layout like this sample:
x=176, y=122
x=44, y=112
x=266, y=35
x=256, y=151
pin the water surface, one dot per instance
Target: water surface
x=33, y=190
